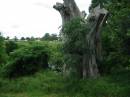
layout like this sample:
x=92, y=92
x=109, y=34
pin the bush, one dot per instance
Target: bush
x=57, y=58
x=74, y=44
x=114, y=62
x=10, y=46
x=27, y=60
x=3, y=55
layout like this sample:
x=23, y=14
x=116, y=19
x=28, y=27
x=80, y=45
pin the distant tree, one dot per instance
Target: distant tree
x=15, y=38
x=46, y=36
x=27, y=38
x=32, y=38
x=49, y=37
x=22, y=38
x=54, y=37
x=37, y=38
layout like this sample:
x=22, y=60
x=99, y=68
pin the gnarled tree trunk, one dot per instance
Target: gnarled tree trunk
x=68, y=10
x=95, y=20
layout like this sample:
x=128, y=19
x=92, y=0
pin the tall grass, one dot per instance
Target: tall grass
x=51, y=84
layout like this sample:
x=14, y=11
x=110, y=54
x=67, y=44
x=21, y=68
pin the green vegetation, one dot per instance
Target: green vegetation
x=51, y=84
x=33, y=67
x=26, y=60
x=3, y=55
x=48, y=37
x=115, y=35
x=10, y=46
x=74, y=39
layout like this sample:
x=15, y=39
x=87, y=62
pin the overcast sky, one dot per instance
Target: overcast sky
x=26, y=18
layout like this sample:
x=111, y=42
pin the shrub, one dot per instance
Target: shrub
x=27, y=60
x=10, y=46
x=57, y=58
x=3, y=56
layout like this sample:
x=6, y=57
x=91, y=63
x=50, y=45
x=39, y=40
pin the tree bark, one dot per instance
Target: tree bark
x=68, y=10
x=96, y=19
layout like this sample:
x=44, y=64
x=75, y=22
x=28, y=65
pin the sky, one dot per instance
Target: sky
x=26, y=18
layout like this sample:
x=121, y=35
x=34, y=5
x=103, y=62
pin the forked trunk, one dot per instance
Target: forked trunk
x=95, y=20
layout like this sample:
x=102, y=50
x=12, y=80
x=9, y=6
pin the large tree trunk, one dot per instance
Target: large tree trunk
x=95, y=20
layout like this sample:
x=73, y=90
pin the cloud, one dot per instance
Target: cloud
x=32, y=17
x=42, y=5
x=15, y=26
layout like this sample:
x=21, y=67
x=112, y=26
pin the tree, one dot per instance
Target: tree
x=15, y=38
x=75, y=34
x=96, y=19
x=54, y=37
x=68, y=10
x=32, y=38
x=22, y=38
x=7, y=38
x=48, y=37
x=28, y=38
x=115, y=36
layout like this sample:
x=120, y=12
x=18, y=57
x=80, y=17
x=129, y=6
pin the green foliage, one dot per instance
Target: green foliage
x=56, y=60
x=97, y=2
x=48, y=37
x=74, y=34
x=27, y=60
x=116, y=44
x=3, y=55
x=51, y=84
x=22, y=38
x=115, y=36
x=10, y=46
x=15, y=38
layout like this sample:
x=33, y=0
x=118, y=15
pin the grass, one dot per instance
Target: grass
x=52, y=84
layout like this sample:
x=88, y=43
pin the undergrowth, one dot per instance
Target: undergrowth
x=52, y=84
